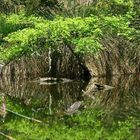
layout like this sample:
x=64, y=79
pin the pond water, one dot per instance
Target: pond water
x=34, y=111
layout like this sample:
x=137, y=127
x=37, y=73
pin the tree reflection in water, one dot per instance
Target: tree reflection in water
x=110, y=114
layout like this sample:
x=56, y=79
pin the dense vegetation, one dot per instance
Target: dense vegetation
x=22, y=33
x=89, y=124
x=29, y=27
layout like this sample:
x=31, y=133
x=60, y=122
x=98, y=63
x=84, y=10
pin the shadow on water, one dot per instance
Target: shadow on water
x=112, y=111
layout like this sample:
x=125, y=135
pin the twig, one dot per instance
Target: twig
x=7, y=136
x=23, y=116
x=50, y=104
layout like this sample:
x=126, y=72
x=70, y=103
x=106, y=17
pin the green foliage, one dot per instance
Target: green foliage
x=45, y=8
x=13, y=23
x=88, y=124
x=91, y=45
x=70, y=8
x=23, y=34
x=74, y=8
x=98, y=119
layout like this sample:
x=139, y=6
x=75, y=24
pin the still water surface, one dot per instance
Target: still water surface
x=34, y=111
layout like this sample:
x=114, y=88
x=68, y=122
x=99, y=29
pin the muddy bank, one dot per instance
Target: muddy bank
x=116, y=58
x=47, y=64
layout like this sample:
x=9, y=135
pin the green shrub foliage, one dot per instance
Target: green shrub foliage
x=20, y=34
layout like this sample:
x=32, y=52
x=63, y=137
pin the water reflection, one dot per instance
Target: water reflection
x=124, y=98
x=47, y=103
x=54, y=98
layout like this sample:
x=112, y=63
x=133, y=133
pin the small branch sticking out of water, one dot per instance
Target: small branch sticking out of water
x=7, y=136
x=23, y=116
